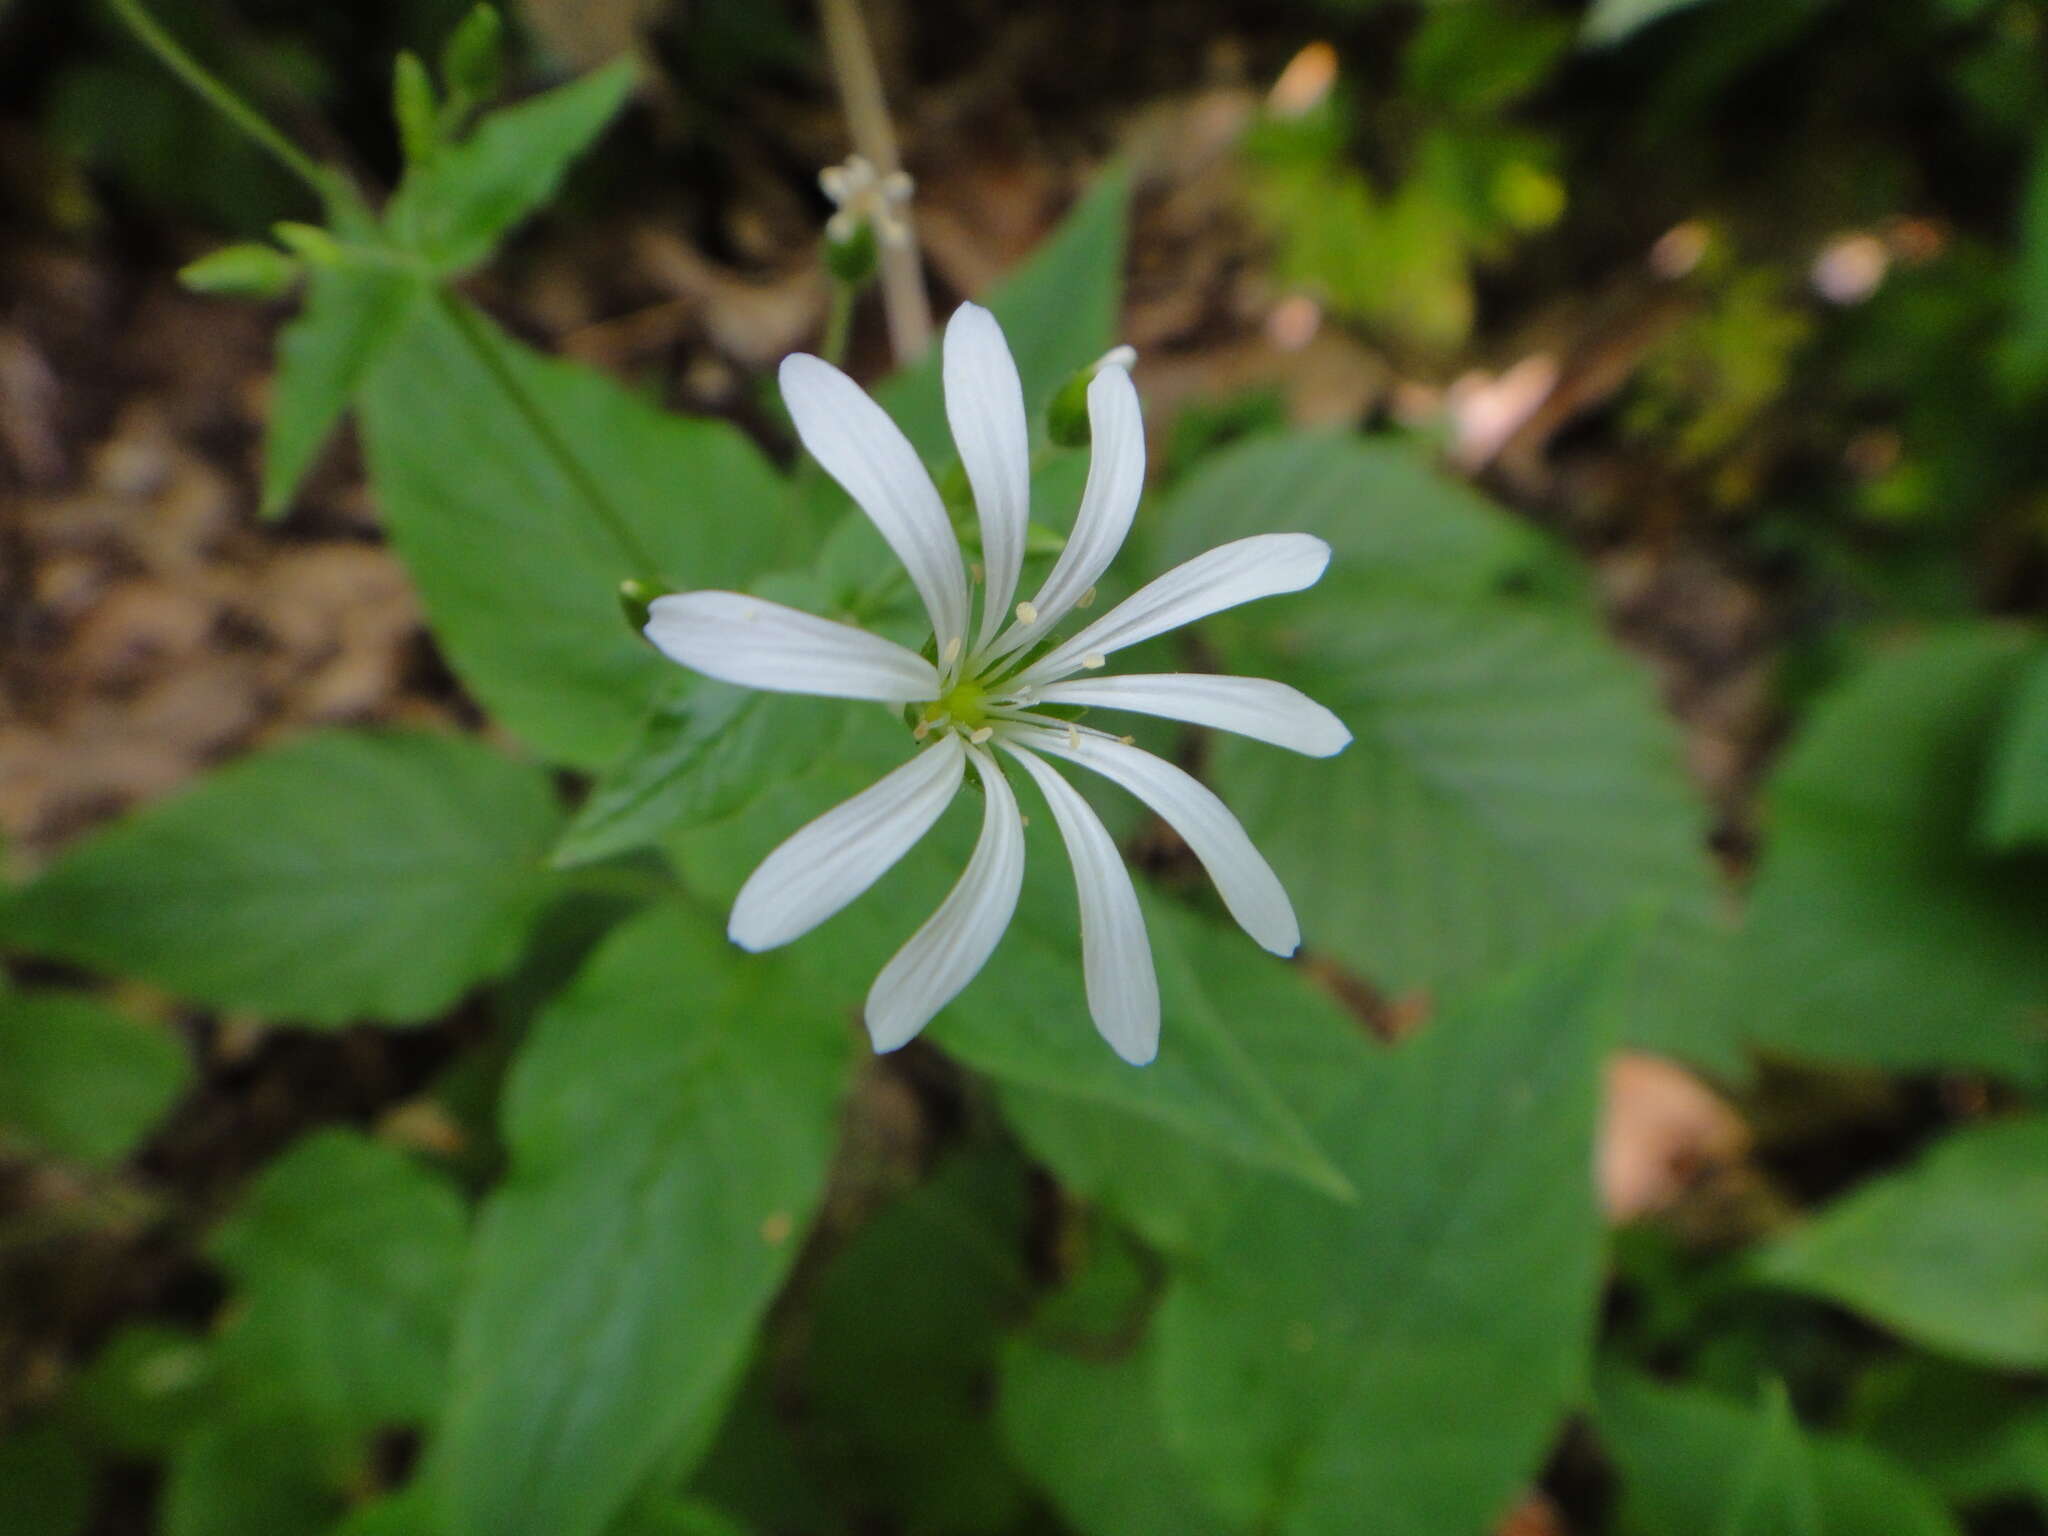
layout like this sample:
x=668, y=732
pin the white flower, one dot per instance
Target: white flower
x=862, y=196
x=994, y=677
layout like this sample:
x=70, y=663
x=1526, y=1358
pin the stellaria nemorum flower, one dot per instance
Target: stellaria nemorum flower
x=987, y=687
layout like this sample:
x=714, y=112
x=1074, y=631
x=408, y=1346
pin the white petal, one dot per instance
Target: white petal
x=868, y=454
x=985, y=408
x=950, y=949
x=759, y=644
x=1116, y=957
x=1251, y=706
x=830, y=861
x=1116, y=479
x=1243, y=878
x=1260, y=566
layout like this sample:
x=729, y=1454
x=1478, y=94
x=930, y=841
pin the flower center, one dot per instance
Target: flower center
x=966, y=705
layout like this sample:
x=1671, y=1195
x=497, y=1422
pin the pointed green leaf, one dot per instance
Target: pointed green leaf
x=1952, y=1252
x=669, y=1123
x=80, y=1079
x=1682, y=1455
x=705, y=750
x=2016, y=807
x=486, y=458
x=248, y=1477
x=344, y=1255
x=1413, y=1352
x=1877, y=931
x=1088, y=1432
x=352, y=314
x=455, y=208
x=348, y=875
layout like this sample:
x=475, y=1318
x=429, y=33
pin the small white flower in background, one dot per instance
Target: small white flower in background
x=863, y=197
x=988, y=690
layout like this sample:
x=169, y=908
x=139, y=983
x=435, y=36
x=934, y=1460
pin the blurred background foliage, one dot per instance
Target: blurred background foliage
x=1739, y=309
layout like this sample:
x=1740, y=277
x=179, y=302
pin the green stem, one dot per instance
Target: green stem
x=838, y=324
x=221, y=98
x=585, y=485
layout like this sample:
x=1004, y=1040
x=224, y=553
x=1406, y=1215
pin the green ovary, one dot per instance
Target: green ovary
x=965, y=705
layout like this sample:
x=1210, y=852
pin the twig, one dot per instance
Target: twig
x=852, y=58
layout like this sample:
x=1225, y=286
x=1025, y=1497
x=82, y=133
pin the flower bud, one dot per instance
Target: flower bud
x=850, y=252
x=636, y=597
x=1066, y=419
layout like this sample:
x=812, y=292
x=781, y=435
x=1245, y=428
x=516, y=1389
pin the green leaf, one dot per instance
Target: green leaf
x=1952, y=1252
x=253, y=1477
x=242, y=272
x=1252, y=1056
x=902, y=1341
x=1675, y=1448
x=1512, y=780
x=1088, y=1432
x=705, y=750
x=1772, y=1494
x=1392, y=521
x=669, y=1124
x=467, y=434
x=2026, y=345
x=146, y=1390
x=1024, y=1020
x=1609, y=21
x=1411, y=1353
x=45, y=1484
x=82, y=1080
x=1059, y=311
x=2016, y=808
x=455, y=208
x=1511, y=783
x=345, y=1254
x=344, y=876
x=673, y=1517
x=414, y=106
x=473, y=58
x=1876, y=931
x=351, y=317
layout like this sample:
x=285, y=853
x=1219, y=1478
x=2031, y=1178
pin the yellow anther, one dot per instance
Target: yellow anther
x=978, y=737
x=1093, y=661
x=1087, y=599
x=1026, y=614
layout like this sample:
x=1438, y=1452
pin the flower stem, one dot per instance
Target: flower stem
x=471, y=328
x=852, y=59
x=838, y=324
x=217, y=94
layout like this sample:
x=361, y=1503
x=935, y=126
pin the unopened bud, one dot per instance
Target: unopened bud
x=850, y=250
x=636, y=598
x=1066, y=419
